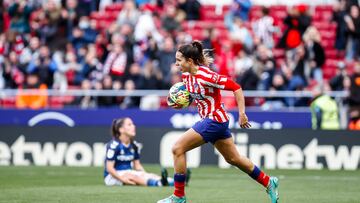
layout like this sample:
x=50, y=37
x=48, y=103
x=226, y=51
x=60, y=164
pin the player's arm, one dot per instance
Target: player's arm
x=112, y=171
x=138, y=166
x=240, y=100
x=243, y=119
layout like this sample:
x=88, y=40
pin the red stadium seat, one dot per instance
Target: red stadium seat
x=320, y=8
x=331, y=53
x=114, y=7
x=8, y=102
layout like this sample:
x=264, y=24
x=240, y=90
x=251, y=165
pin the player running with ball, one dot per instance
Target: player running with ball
x=204, y=86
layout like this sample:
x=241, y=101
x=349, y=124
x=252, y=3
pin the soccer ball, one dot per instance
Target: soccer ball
x=179, y=97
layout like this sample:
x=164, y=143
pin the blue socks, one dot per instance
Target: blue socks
x=153, y=183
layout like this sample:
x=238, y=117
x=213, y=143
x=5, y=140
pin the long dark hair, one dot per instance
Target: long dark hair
x=196, y=52
x=116, y=124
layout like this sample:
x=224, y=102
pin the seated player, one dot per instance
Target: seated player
x=122, y=163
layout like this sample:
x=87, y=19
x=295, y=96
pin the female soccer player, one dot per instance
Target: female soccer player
x=121, y=153
x=204, y=86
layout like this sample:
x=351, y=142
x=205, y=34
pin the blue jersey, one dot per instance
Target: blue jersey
x=121, y=154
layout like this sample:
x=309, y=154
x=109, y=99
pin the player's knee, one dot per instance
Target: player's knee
x=177, y=150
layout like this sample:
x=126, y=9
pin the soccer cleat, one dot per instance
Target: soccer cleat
x=188, y=175
x=173, y=199
x=164, y=177
x=272, y=189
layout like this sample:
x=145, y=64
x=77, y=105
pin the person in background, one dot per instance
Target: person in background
x=315, y=54
x=32, y=101
x=341, y=81
x=324, y=111
x=191, y=8
x=353, y=33
x=122, y=162
x=354, y=99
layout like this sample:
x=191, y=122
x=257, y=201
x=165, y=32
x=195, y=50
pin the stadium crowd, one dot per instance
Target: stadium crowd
x=131, y=44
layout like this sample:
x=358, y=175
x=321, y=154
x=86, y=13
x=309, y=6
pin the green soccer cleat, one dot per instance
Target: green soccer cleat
x=272, y=189
x=188, y=176
x=164, y=177
x=173, y=199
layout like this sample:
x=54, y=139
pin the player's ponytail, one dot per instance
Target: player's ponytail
x=197, y=53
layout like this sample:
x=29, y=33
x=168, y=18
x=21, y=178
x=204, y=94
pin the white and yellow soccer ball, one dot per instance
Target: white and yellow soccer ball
x=179, y=97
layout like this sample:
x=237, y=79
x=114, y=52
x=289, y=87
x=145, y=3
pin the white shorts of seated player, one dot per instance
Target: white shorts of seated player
x=139, y=177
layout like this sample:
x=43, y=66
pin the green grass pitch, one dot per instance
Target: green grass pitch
x=208, y=184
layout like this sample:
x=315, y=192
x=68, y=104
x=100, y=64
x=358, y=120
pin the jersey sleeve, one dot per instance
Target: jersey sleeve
x=216, y=80
x=111, y=149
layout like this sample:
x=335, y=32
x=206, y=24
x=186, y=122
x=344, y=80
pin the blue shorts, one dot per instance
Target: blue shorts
x=211, y=130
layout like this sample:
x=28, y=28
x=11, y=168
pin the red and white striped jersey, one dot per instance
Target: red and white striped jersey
x=204, y=87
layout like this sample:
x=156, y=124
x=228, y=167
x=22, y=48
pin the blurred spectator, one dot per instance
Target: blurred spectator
x=84, y=7
x=73, y=69
x=70, y=16
x=91, y=65
x=89, y=28
x=19, y=12
x=4, y=46
x=32, y=101
x=129, y=14
x=46, y=23
x=324, y=111
x=278, y=84
x=130, y=101
x=224, y=60
x=239, y=33
x=85, y=101
x=152, y=77
x=4, y=18
x=264, y=28
x=12, y=73
x=30, y=52
x=353, y=32
x=315, y=54
x=264, y=66
x=354, y=98
x=136, y=76
x=350, y=3
x=240, y=9
x=166, y=58
x=297, y=21
x=341, y=81
x=106, y=101
x=169, y=22
x=297, y=63
x=82, y=37
x=118, y=85
x=146, y=27
x=191, y=8
x=60, y=76
x=44, y=66
x=339, y=17
x=244, y=72
x=116, y=62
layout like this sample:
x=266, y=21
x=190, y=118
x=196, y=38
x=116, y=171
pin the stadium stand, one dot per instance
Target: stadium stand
x=71, y=33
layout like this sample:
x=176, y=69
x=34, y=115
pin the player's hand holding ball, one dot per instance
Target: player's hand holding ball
x=244, y=121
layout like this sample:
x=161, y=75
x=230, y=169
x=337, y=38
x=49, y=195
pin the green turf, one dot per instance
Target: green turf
x=208, y=184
